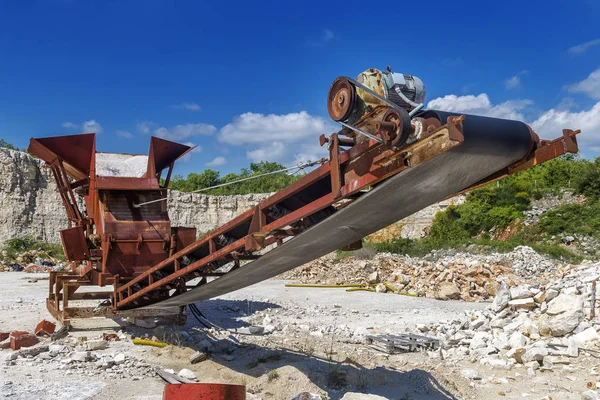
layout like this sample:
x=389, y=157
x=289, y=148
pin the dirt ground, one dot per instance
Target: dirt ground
x=310, y=350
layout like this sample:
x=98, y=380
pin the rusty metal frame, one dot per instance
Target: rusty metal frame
x=358, y=168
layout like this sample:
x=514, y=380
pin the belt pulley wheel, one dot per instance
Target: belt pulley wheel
x=401, y=119
x=341, y=99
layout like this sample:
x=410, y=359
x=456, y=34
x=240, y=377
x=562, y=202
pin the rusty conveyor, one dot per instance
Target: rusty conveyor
x=391, y=159
x=483, y=153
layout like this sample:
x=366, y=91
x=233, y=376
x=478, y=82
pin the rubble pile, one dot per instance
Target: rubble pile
x=82, y=357
x=538, y=327
x=460, y=276
x=548, y=203
x=30, y=261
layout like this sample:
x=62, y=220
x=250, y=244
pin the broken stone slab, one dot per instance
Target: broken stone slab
x=520, y=292
x=80, y=356
x=94, y=345
x=198, y=357
x=534, y=354
x=588, y=335
x=522, y=304
x=33, y=351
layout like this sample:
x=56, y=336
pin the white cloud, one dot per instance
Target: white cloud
x=261, y=128
x=125, y=134
x=69, y=125
x=514, y=82
x=283, y=138
x=551, y=123
x=188, y=156
x=92, y=126
x=328, y=35
x=145, y=126
x=218, y=161
x=583, y=47
x=185, y=131
x=275, y=151
x=480, y=105
x=589, y=86
x=186, y=106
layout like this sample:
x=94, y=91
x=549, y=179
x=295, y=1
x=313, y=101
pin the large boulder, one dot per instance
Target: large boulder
x=566, y=313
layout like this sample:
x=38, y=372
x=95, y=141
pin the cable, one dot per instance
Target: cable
x=299, y=167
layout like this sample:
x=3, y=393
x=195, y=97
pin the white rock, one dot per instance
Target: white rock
x=534, y=354
x=502, y=297
x=522, y=304
x=551, y=293
x=588, y=335
x=479, y=340
x=471, y=374
x=93, y=345
x=380, y=288
x=573, y=348
x=520, y=292
x=119, y=358
x=517, y=340
x=590, y=395
x=566, y=312
x=80, y=356
x=187, y=374
x=353, y=396
x=374, y=277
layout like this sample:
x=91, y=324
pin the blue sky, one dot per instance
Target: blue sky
x=248, y=81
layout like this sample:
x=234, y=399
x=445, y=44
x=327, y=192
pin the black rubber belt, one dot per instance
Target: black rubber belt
x=490, y=145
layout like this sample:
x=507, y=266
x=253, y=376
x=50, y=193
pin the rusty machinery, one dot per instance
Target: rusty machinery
x=390, y=159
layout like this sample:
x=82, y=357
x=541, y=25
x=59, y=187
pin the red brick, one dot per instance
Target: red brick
x=45, y=328
x=22, y=339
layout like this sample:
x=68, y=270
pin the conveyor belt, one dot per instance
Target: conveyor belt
x=489, y=146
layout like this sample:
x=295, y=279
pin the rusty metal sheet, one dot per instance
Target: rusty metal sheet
x=75, y=150
x=163, y=153
x=74, y=244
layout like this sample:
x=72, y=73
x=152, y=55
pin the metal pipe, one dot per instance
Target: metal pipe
x=367, y=134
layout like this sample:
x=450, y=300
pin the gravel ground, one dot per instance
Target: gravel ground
x=305, y=349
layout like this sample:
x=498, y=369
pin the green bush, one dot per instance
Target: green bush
x=16, y=246
x=209, y=177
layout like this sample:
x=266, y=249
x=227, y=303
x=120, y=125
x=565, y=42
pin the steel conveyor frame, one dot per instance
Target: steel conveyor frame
x=330, y=208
